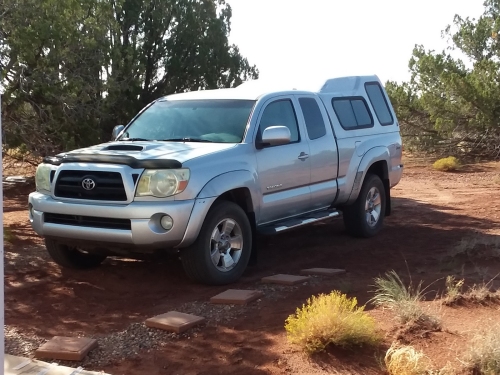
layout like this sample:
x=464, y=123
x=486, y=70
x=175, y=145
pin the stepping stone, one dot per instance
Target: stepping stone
x=284, y=279
x=237, y=297
x=175, y=321
x=66, y=348
x=14, y=365
x=15, y=179
x=322, y=271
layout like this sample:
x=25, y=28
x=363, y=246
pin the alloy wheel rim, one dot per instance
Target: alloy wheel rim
x=226, y=245
x=373, y=207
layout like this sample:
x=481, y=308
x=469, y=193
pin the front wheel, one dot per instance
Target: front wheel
x=365, y=217
x=222, y=250
x=72, y=257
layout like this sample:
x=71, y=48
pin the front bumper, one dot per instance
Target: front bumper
x=145, y=228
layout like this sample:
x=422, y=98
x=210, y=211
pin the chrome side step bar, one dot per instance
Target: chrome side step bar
x=298, y=221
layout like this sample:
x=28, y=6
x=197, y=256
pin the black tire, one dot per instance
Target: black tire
x=197, y=260
x=356, y=219
x=71, y=257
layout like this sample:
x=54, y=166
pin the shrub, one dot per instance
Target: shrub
x=477, y=293
x=405, y=360
x=446, y=164
x=453, y=290
x=405, y=301
x=483, y=354
x=480, y=293
x=8, y=235
x=331, y=319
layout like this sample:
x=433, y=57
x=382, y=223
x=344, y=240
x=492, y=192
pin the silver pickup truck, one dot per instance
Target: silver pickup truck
x=202, y=173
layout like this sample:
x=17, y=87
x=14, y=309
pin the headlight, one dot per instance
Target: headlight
x=42, y=178
x=162, y=183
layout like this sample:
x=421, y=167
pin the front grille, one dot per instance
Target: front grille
x=87, y=221
x=107, y=186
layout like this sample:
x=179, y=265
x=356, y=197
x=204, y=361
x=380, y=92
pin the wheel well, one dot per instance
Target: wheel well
x=380, y=169
x=241, y=197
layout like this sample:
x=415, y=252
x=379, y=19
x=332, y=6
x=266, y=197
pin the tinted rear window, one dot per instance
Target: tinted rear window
x=353, y=113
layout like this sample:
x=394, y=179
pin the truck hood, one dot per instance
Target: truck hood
x=180, y=151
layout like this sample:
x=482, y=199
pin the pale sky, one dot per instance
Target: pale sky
x=309, y=40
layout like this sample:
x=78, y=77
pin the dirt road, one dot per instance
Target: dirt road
x=433, y=212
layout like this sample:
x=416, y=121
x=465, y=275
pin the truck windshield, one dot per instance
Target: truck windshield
x=222, y=121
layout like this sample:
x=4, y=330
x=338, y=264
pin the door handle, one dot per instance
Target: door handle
x=303, y=156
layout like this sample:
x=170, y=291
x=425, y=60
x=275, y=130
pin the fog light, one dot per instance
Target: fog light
x=166, y=222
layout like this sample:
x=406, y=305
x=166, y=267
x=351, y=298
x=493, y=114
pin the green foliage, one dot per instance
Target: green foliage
x=331, y=319
x=392, y=293
x=450, y=106
x=79, y=67
x=448, y=164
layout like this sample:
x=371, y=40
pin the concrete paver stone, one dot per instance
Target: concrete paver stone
x=283, y=279
x=236, y=296
x=14, y=365
x=175, y=321
x=322, y=271
x=66, y=348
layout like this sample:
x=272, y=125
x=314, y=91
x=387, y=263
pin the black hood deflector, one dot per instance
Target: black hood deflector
x=114, y=159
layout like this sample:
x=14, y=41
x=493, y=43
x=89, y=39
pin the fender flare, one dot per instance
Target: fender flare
x=230, y=181
x=372, y=156
x=208, y=195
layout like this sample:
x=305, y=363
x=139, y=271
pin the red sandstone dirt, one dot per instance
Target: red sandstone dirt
x=433, y=211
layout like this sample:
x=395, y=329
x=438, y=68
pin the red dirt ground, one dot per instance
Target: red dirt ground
x=433, y=212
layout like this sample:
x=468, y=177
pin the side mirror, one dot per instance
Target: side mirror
x=275, y=135
x=116, y=131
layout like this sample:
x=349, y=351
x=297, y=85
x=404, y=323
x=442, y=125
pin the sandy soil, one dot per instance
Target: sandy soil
x=433, y=212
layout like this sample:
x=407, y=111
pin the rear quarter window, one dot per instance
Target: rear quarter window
x=314, y=119
x=379, y=103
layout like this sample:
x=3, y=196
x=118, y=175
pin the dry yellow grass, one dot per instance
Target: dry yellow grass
x=477, y=293
x=483, y=354
x=405, y=360
x=453, y=290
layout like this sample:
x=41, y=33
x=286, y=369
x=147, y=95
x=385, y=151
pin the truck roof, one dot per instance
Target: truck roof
x=253, y=90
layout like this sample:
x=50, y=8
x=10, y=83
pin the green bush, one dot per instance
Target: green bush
x=331, y=319
x=448, y=164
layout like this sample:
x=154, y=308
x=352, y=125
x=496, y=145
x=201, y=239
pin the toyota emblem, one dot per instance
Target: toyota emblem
x=88, y=184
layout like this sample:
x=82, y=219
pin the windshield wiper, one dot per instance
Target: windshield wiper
x=185, y=139
x=134, y=139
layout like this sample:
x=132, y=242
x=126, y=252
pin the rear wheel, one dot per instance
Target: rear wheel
x=365, y=217
x=72, y=257
x=222, y=250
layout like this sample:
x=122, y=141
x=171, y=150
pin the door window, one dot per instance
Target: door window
x=281, y=113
